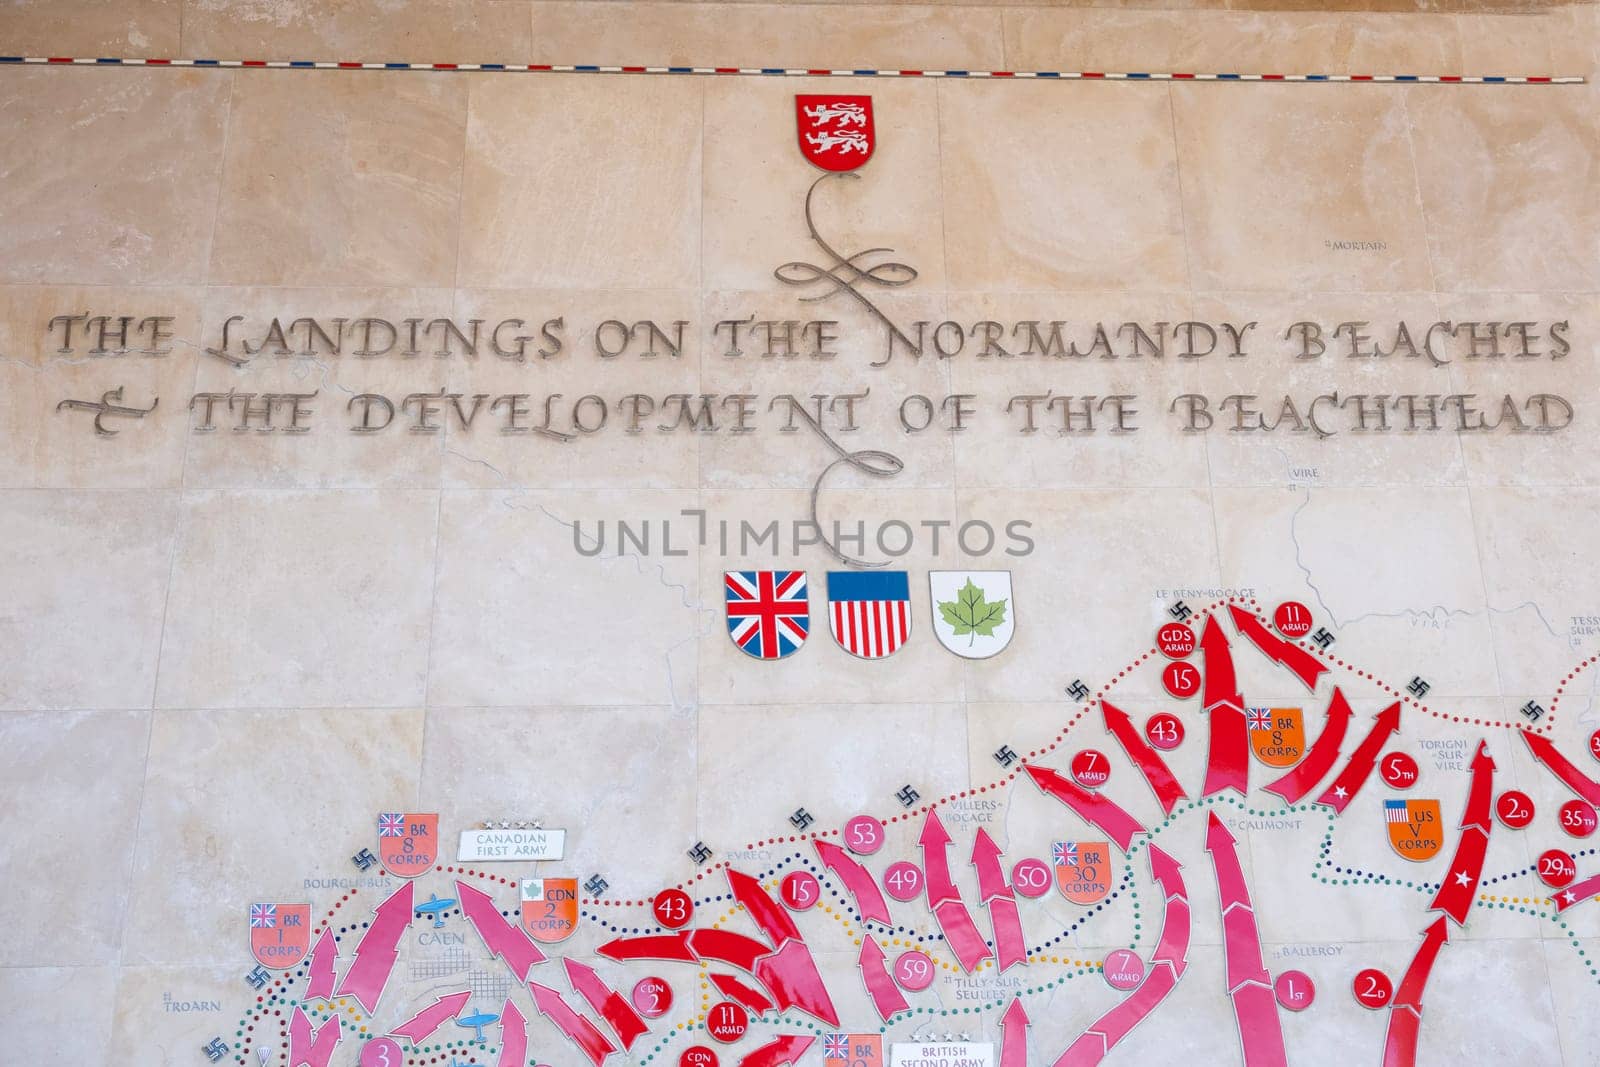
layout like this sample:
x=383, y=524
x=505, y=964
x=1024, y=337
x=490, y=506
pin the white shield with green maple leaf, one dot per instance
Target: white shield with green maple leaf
x=973, y=612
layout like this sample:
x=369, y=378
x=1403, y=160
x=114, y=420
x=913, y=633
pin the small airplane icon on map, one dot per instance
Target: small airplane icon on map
x=435, y=908
x=478, y=1022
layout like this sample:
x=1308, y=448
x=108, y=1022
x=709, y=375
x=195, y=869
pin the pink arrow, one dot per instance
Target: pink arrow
x=1249, y=986
x=934, y=839
x=887, y=1000
x=417, y=1028
x=1460, y=884
x=1577, y=894
x=1009, y=946
x=779, y=1050
x=961, y=934
x=673, y=948
x=1545, y=752
x=737, y=991
x=1229, y=764
x=513, y=1037
x=986, y=858
x=1100, y=810
x=1303, y=664
x=1321, y=757
x=320, y=985
x=577, y=1029
x=1405, y=1013
x=499, y=936
x=1219, y=684
x=869, y=899
x=617, y=1013
x=378, y=950
x=1156, y=773
x=309, y=1052
x=725, y=946
x=1480, y=795
x=1356, y=772
x=790, y=975
x=773, y=920
x=1014, y=1030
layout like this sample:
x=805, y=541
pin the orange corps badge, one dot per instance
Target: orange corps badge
x=1416, y=828
x=408, y=842
x=280, y=934
x=549, y=908
x=1083, y=870
x=1277, y=735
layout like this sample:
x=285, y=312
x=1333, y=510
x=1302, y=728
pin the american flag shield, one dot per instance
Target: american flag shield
x=869, y=612
x=1395, y=811
x=769, y=612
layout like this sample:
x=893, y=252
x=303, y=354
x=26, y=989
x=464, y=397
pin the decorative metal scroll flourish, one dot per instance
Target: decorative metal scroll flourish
x=110, y=403
x=844, y=273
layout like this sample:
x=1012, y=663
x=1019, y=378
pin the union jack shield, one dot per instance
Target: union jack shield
x=280, y=934
x=408, y=842
x=835, y=130
x=869, y=612
x=769, y=612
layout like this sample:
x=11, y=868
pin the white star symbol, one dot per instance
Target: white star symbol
x=1568, y=896
x=1462, y=878
x=1340, y=792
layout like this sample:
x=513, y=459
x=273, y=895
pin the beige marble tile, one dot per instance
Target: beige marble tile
x=164, y=1016
x=45, y=447
x=139, y=208
x=766, y=35
x=1042, y=219
x=1516, y=971
x=252, y=623
x=578, y=182
x=337, y=180
x=756, y=183
x=435, y=31
x=202, y=852
x=86, y=580
x=53, y=760
x=53, y=1012
x=1276, y=181
x=90, y=28
x=1517, y=44
x=1524, y=214
x=1572, y=981
x=629, y=811
x=544, y=624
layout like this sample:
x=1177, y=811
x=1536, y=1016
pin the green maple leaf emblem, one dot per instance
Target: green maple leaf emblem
x=970, y=614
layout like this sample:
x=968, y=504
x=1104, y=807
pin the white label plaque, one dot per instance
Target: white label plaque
x=490, y=846
x=941, y=1054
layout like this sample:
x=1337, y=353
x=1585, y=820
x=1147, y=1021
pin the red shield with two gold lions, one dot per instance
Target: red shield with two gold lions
x=1277, y=735
x=549, y=908
x=280, y=934
x=408, y=842
x=1083, y=870
x=835, y=129
x=1416, y=828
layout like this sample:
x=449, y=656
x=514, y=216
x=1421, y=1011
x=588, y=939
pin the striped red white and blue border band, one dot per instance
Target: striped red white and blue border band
x=795, y=72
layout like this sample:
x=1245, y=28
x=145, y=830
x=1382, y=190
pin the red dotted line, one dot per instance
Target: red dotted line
x=1555, y=702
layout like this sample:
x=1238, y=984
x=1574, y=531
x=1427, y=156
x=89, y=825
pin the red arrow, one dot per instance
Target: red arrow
x=773, y=920
x=1014, y=1029
x=778, y=1051
x=429, y=1019
x=887, y=1000
x=869, y=900
x=1249, y=985
x=1577, y=894
x=1460, y=884
x=513, y=1037
x=577, y=1029
x=1228, y=766
x=1144, y=756
x=1321, y=757
x=320, y=986
x=1545, y=752
x=1167, y=965
x=986, y=858
x=790, y=974
x=379, y=949
x=735, y=990
x=1096, y=808
x=1356, y=772
x=303, y=1049
x=673, y=948
x=500, y=937
x=934, y=839
x=1305, y=666
x=1405, y=1013
x=725, y=946
x=961, y=934
x=1009, y=946
x=607, y=1002
x=1480, y=796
